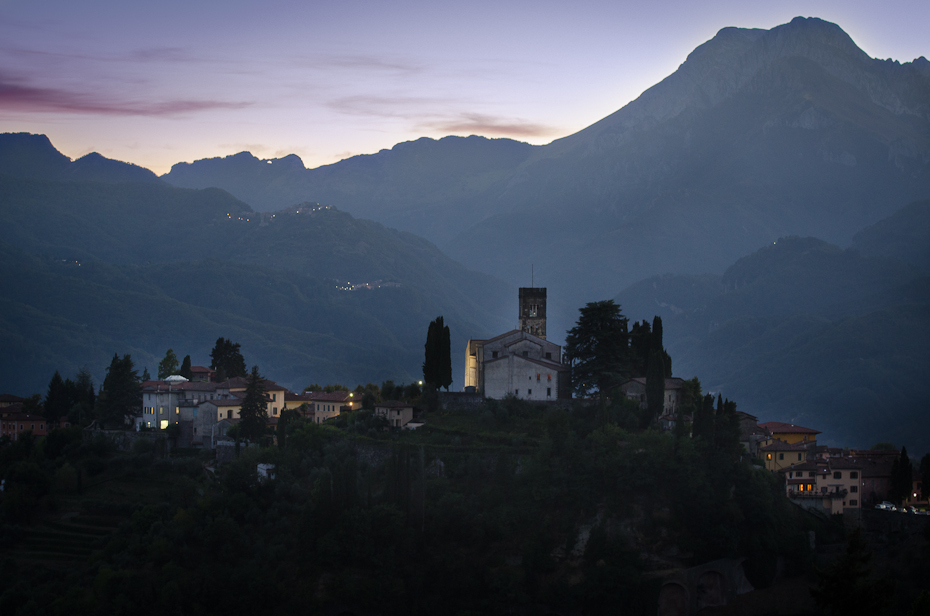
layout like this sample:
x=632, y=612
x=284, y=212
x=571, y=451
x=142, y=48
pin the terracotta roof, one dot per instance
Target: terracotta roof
x=335, y=396
x=779, y=445
x=393, y=404
x=202, y=369
x=160, y=386
x=292, y=397
x=11, y=398
x=242, y=382
x=743, y=415
x=777, y=427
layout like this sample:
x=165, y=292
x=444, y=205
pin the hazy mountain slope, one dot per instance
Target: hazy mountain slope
x=804, y=331
x=33, y=156
x=905, y=235
x=167, y=264
x=758, y=135
x=430, y=187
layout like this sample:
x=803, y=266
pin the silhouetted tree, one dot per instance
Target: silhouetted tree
x=227, y=360
x=57, y=400
x=168, y=366
x=437, y=360
x=185, y=370
x=598, y=349
x=254, y=409
x=121, y=395
x=901, y=477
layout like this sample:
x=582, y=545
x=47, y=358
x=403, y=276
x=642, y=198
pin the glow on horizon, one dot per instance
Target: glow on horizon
x=160, y=84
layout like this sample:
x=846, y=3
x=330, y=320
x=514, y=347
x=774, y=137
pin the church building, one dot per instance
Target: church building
x=520, y=362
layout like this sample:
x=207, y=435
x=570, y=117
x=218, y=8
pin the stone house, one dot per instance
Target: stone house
x=398, y=414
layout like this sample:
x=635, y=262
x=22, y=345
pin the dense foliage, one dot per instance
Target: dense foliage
x=491, y=510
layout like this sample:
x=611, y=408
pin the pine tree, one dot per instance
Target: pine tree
x=227, y=360
x=121, y=395
x=168, y=366
x=145, y=374
x=598, y=349
x=254, y=410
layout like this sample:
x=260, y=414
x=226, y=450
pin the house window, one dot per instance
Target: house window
x=812, y=474
x=529, y=392
x=548, y=392
x=274, y=411
x=799, y=456
x=537, y=377
x=781, y=456
x=493, y=354
x=768, y=456
x=853, y=502
x=838, y=475
x=516, y=392
x=854, y=475
x=548, y=355
x=853, y=489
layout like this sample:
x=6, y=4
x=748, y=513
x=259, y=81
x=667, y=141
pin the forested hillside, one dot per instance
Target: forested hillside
x=93, y=268
x=806, y=332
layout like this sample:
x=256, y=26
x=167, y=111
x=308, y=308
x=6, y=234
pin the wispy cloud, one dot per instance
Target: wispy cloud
x=19, y=95
x=386, y=106
x=481, y=124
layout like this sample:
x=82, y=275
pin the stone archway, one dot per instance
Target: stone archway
x=674, y=600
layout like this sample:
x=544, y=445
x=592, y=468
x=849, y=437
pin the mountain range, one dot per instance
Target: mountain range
x=767, y=199
x=758, y=135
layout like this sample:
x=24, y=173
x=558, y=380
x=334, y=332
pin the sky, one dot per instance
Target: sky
x=160, y=83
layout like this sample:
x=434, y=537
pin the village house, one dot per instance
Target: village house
x=829, y=485
x=326, y=405
x=398, y=414
x=777, y=455
x=12, y=425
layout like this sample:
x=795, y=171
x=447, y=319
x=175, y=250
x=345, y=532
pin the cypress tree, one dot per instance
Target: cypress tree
x=121, y=395
x=254, y=410
x=445, y=356
x=185, y=370
x=57, y=402
x=655, y=386
x=431, y=354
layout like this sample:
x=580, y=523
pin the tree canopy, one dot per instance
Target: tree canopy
x=598, y=348
x=227, y=360
x=121, y=396
x=168, y=366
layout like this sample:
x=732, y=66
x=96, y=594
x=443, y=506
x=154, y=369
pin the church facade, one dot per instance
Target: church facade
x=521, y=362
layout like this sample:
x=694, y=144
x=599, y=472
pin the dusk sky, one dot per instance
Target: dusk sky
x=159, y=83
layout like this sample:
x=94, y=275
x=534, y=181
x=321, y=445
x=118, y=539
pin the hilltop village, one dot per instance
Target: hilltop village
x=198, y=412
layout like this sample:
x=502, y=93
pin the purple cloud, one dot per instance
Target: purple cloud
x=18, y=96
x=480, y=124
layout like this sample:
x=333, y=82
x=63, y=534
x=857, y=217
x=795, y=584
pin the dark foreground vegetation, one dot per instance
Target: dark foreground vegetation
x=511, y=507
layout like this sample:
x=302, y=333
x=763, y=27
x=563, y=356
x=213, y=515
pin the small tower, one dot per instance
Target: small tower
x=533, y=311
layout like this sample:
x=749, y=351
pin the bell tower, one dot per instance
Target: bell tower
x=533, y=311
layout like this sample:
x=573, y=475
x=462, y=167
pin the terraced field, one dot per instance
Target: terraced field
x=71, y=538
